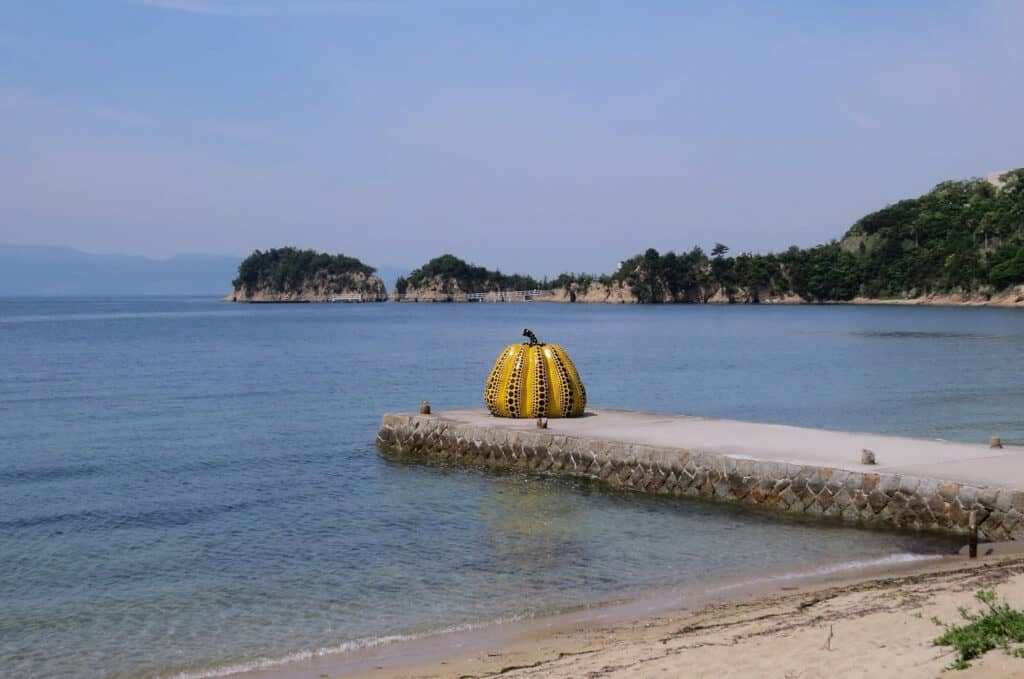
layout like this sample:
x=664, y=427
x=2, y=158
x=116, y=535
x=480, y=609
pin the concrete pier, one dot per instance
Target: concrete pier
x=916, y=484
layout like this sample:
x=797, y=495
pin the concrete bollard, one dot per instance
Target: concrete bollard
x=995, y=442
x=867, y=456
x=424, y=408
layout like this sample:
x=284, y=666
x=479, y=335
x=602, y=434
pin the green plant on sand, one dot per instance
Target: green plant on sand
x=996, y=626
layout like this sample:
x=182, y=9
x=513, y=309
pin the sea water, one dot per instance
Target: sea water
x=189, y=487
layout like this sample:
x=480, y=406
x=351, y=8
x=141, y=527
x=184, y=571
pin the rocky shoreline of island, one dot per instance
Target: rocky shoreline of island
x=369, y=288
x=961, y=244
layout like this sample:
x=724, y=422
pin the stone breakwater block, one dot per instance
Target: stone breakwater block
x=661, y=456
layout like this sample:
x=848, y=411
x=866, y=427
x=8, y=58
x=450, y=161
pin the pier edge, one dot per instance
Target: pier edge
x=867, y=498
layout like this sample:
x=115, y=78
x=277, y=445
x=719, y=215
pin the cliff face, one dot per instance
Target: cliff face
x=756, y=296
x=1012, y=297
x=594, y=293
x=441, y=290
x=436, y=289
x=322, y=287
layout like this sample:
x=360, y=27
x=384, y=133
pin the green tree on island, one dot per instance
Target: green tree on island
x=289, y=269
x=962, y=236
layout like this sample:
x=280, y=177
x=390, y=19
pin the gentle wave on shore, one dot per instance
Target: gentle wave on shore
x=451, y=639
x=268, y=663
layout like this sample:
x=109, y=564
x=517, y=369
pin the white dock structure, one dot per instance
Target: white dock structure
x=506, y=295
x=348, y=297
x=491, y=296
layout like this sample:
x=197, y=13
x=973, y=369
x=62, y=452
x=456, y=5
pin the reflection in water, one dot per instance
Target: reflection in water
x=922, y=334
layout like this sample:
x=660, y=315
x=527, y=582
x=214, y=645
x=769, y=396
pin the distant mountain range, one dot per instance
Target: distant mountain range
x=48, y=270
x=53, y=270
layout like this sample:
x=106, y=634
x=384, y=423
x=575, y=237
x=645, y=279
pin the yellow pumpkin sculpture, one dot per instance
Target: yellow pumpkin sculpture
x=533, y=380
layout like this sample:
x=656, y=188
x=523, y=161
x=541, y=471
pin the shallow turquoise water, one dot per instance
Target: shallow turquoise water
x=186, y=484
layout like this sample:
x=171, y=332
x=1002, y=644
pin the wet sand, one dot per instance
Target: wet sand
x=874, y=621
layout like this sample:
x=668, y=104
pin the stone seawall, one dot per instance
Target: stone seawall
x=884, y=499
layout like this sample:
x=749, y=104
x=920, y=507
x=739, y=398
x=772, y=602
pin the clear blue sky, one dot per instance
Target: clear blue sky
x=527, y=136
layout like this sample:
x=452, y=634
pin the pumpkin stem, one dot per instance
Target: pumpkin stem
x=529, y=333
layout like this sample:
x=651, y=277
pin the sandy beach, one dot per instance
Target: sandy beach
x=873, y=624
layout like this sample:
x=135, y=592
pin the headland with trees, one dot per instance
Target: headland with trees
x=962, y=242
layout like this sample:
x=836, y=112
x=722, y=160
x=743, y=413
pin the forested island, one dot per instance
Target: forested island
x=447, y=277
x=963, y=241
x=960, y=243
x=292, y=275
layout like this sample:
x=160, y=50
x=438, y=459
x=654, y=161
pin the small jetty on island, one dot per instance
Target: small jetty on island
x=915, y=484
